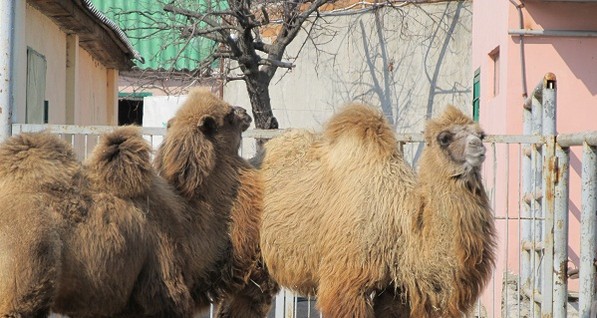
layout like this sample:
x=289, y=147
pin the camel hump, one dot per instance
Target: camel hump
x=365, y=125
x=31, y=155
x=121, y=163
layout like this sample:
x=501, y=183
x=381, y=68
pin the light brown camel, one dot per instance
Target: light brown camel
x=199, y=158
x=346, y=218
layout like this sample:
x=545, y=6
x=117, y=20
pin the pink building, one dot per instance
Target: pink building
x=515, y=43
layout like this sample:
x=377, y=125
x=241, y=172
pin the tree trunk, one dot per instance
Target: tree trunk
x=258, y=89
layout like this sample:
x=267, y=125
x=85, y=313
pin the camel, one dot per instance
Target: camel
x=199, y=159
x=348, y=220
x=88, y=240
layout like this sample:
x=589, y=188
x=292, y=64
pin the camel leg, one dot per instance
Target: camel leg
x=343, y=301
x=29, y=261
x=26, y=287
x=388, y=305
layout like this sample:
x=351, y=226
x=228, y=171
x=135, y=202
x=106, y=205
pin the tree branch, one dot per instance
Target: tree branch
x=276, y=63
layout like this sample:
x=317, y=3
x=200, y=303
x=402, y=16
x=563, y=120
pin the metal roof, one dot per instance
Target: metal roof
x=161, y=49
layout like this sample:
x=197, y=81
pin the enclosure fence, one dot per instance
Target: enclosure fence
x=527, y=178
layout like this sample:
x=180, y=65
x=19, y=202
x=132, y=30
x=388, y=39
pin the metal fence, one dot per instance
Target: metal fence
x=527, y=178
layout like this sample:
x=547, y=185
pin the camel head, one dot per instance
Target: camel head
x=204, y=130
x=457, y=142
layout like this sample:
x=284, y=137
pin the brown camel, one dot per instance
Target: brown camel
x=92, y=240
x=223, y=192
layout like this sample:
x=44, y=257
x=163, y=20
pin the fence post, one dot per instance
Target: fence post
x=7, y=14
x=537, y=177
x=560, y=252
x=285, y=304
x=532, y=170
x=549, y=132
x=587, y=231
x=527, y=199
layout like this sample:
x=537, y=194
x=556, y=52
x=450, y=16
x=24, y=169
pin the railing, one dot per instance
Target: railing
x=527, y=178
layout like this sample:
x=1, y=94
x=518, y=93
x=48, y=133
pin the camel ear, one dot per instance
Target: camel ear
x=207, y=124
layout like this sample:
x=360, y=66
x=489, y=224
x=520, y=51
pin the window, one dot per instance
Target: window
x=130, y=108
x=130, y=112
x=36, y=107
x=495, y=61
x=476, y=94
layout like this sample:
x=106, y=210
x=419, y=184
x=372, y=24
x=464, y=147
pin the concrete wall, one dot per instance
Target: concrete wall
x=92, y=106
x=409, y=61
x=96, y=96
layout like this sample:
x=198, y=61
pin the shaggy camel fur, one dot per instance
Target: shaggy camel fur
x=92, y=240
x=199, y=158
x=346, y=218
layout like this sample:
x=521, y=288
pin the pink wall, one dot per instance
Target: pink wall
x=572, y=60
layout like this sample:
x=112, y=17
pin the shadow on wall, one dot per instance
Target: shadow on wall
x=579, y=53
x=412, y=61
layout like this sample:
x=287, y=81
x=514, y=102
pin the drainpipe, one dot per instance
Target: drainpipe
x=555, y=33
x=523, y=72
x=7, y=12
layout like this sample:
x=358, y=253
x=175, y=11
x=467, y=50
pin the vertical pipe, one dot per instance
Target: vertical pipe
x=549, y=131
x=588, y=231
x=547, y=203
x=536, y=228
x=7, y=12
x=527, y=190
x=560, y=234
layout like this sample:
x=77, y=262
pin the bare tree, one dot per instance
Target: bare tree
x=237, y=27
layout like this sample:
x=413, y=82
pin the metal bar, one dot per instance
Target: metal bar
x=549, y=176
x=536, y=227
x=507, y=245
x=560, y=236
x=530, y=218
x=548, y=103
x=81, y=130
x=260, y=133
x=7, y=16
x=578, y=139
x=493, y=208
x=527, y=188
x=554, y=33
x=535, y=94
x=522, y=154
x=588, y=231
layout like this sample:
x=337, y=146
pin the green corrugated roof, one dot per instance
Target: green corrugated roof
x=161, y=49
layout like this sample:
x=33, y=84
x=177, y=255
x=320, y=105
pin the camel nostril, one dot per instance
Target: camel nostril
x=475, y=141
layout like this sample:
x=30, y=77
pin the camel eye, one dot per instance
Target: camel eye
x=482, y=136
x=444, y=138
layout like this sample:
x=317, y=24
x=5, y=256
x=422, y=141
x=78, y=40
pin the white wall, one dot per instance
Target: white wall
x=412, y=65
